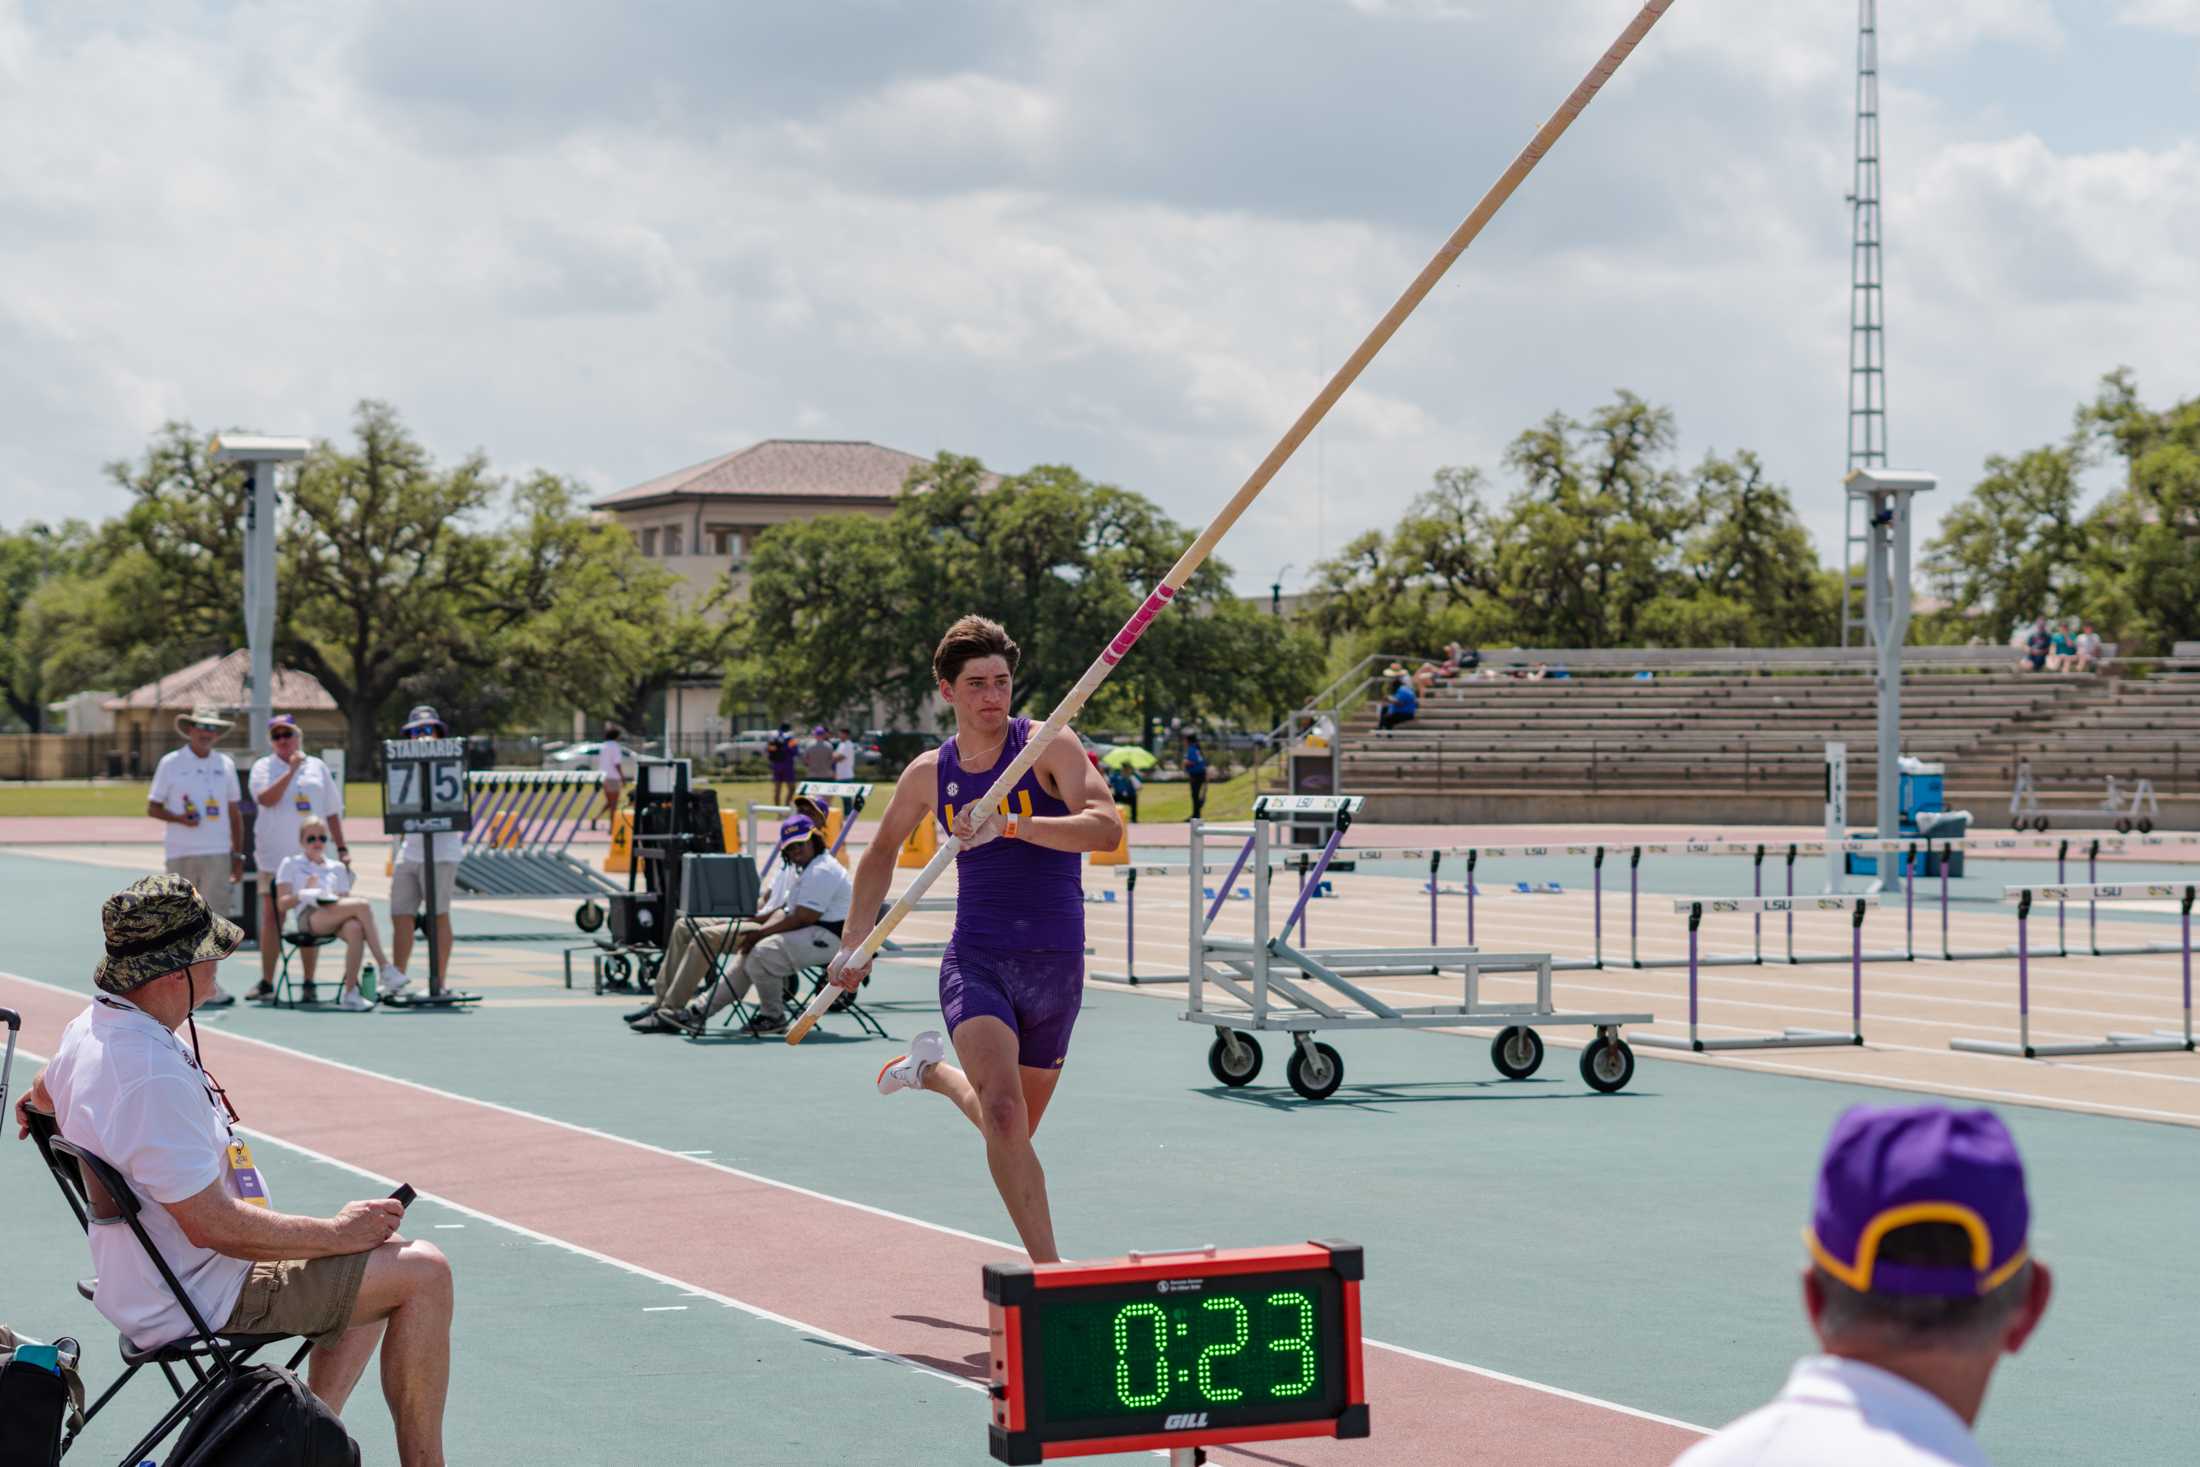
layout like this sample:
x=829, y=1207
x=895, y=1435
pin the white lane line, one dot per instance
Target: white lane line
x=699, y=1292
x=664, y=1309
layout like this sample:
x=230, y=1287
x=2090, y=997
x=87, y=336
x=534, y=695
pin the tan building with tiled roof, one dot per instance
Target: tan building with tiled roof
x=702, y=521
x=145, y=717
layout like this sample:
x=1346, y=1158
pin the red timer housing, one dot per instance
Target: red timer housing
x=1165, y=1350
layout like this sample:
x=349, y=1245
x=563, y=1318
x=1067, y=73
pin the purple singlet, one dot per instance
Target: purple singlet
x=1013, y=896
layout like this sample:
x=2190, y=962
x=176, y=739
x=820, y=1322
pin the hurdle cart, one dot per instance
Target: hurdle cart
x=1267, y=984
x=518, y=846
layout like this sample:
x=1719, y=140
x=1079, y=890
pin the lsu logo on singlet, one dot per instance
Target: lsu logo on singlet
x=1023, y=809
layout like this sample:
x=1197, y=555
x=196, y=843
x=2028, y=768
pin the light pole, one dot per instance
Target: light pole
x=261, y=455
x=1882, y=499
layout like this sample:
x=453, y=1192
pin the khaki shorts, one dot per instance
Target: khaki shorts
x=210, y=874
x=313, y=1297
x=406, y=887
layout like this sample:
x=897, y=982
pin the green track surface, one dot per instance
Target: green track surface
x=1642, y=1247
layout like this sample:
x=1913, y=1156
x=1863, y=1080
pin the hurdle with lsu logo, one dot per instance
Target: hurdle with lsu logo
x=1697, y=908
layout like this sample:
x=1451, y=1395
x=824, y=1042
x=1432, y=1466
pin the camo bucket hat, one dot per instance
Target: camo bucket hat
x=156, y=925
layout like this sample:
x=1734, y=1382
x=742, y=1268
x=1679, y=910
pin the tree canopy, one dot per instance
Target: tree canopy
x=2021, y=546
x=1606, y=543
x=843, y=608
x=399, y=579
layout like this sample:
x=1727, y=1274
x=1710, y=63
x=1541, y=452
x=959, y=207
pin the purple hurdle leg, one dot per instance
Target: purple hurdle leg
x=2062, y=908
x=2024, y=977
x=1472, y=857
x=1435, y=859
x=1856, y=970
x=1944, y=904
x=1596, y=881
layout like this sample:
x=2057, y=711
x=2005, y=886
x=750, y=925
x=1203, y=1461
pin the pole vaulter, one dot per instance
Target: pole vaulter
x=1197, y=552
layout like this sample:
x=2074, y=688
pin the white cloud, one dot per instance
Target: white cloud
x=2179, y=16
x=1131, y=237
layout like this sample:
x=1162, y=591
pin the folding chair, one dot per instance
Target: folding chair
x=101, y=1197
x=294, y=941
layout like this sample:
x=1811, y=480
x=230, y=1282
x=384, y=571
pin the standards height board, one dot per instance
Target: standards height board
x=424, y=786
x=1174, y=1350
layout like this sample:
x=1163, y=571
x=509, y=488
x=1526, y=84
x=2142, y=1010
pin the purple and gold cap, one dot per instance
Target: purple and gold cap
x=796, y=827
x=1886, y=1167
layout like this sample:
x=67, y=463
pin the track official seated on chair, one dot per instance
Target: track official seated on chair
x=799, y=928
x=125, y=1088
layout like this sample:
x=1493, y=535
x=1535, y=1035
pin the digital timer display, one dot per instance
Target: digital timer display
x=1185, y=1349
x=1259, y=1350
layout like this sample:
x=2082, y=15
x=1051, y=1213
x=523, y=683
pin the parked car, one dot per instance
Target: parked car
x=747, y=745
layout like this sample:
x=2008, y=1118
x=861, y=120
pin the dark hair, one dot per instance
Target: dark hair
x=1922, y=1319
x=966, y=641
x=613, y=731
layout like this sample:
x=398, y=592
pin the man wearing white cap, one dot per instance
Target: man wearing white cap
x=194, y=796
x=409, y=876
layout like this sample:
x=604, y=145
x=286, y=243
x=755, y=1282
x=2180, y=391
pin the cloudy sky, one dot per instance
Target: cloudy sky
x=1127, y=235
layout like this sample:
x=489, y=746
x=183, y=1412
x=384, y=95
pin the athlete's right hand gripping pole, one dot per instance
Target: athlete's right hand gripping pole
x=1197, y=552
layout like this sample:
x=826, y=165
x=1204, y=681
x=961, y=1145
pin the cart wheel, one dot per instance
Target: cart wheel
x=1316, y=1078
x=615, y=968
x=2039, y=822
x=1607, y=1065
x=1517, y=1052
x=645, y=971
x=2123, y=825
x=1240, y=1068
x=2146, y=826
x=2017, y=824
x=588, y=917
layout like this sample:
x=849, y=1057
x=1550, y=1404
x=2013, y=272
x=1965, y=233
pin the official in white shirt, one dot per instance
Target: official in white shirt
x=409, y=875
x=803, y=932
x=194, y=796
x=844, y=757
x=289, y=786
x=316, y=892
x=126, y=1089
x=1921, y=1279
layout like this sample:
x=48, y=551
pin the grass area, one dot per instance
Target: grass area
x=1230, y=799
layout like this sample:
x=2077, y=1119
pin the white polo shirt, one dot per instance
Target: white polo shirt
x=825, y=887
x=611, y=759
x=309, y=878
x=181, y=781
x=313, y=791
x=844, y=760
x=1839, y=1413
x=125, y=1089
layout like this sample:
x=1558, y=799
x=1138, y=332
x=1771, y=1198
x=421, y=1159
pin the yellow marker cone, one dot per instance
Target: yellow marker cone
x=833, y=818
x=621, y=855
x=729, y=821
x=923, y=843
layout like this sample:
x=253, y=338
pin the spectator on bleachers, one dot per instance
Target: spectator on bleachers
x=2038, y=642
x=1401, y=707
x=1539, y=672
x=124, y=1086
x=1558, y=672
x=2062, y=650
x=2088, y=658
x=1424, y=678
x=314, y=889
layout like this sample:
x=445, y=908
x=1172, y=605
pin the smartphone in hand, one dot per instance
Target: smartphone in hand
x=404, y=1195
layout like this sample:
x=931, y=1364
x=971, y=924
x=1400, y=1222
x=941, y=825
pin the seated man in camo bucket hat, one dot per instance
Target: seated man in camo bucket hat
x=123, y=1086
x=1921, y=1278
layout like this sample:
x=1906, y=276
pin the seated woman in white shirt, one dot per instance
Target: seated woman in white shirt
x=318, y=891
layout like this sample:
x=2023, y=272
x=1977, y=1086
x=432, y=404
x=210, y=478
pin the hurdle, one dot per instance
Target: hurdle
x=518, y=844
x=1696, y=907
x=1474, y=855
x=2159, y=1042
x=2093, y=918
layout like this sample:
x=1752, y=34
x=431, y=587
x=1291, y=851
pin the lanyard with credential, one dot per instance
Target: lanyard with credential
x=245, y=1177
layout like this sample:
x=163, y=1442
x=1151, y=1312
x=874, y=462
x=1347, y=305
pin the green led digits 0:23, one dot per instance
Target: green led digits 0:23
x=1284, y=1367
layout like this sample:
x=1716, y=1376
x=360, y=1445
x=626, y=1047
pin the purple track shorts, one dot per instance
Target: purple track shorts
x=1037, y=994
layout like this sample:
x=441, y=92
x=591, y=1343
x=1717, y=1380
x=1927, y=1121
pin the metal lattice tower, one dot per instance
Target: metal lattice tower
x=1867, y=316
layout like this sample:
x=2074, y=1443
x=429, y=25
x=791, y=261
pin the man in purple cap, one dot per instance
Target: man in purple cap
x=1920, y=1280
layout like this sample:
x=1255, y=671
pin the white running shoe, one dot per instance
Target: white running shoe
x=907, y=1072
x=393, y=989
x=353, y=1002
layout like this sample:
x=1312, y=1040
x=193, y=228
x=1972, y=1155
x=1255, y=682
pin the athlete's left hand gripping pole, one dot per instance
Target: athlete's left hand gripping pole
x=1194, y=555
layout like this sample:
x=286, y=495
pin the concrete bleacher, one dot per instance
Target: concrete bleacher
x=1710, y=739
